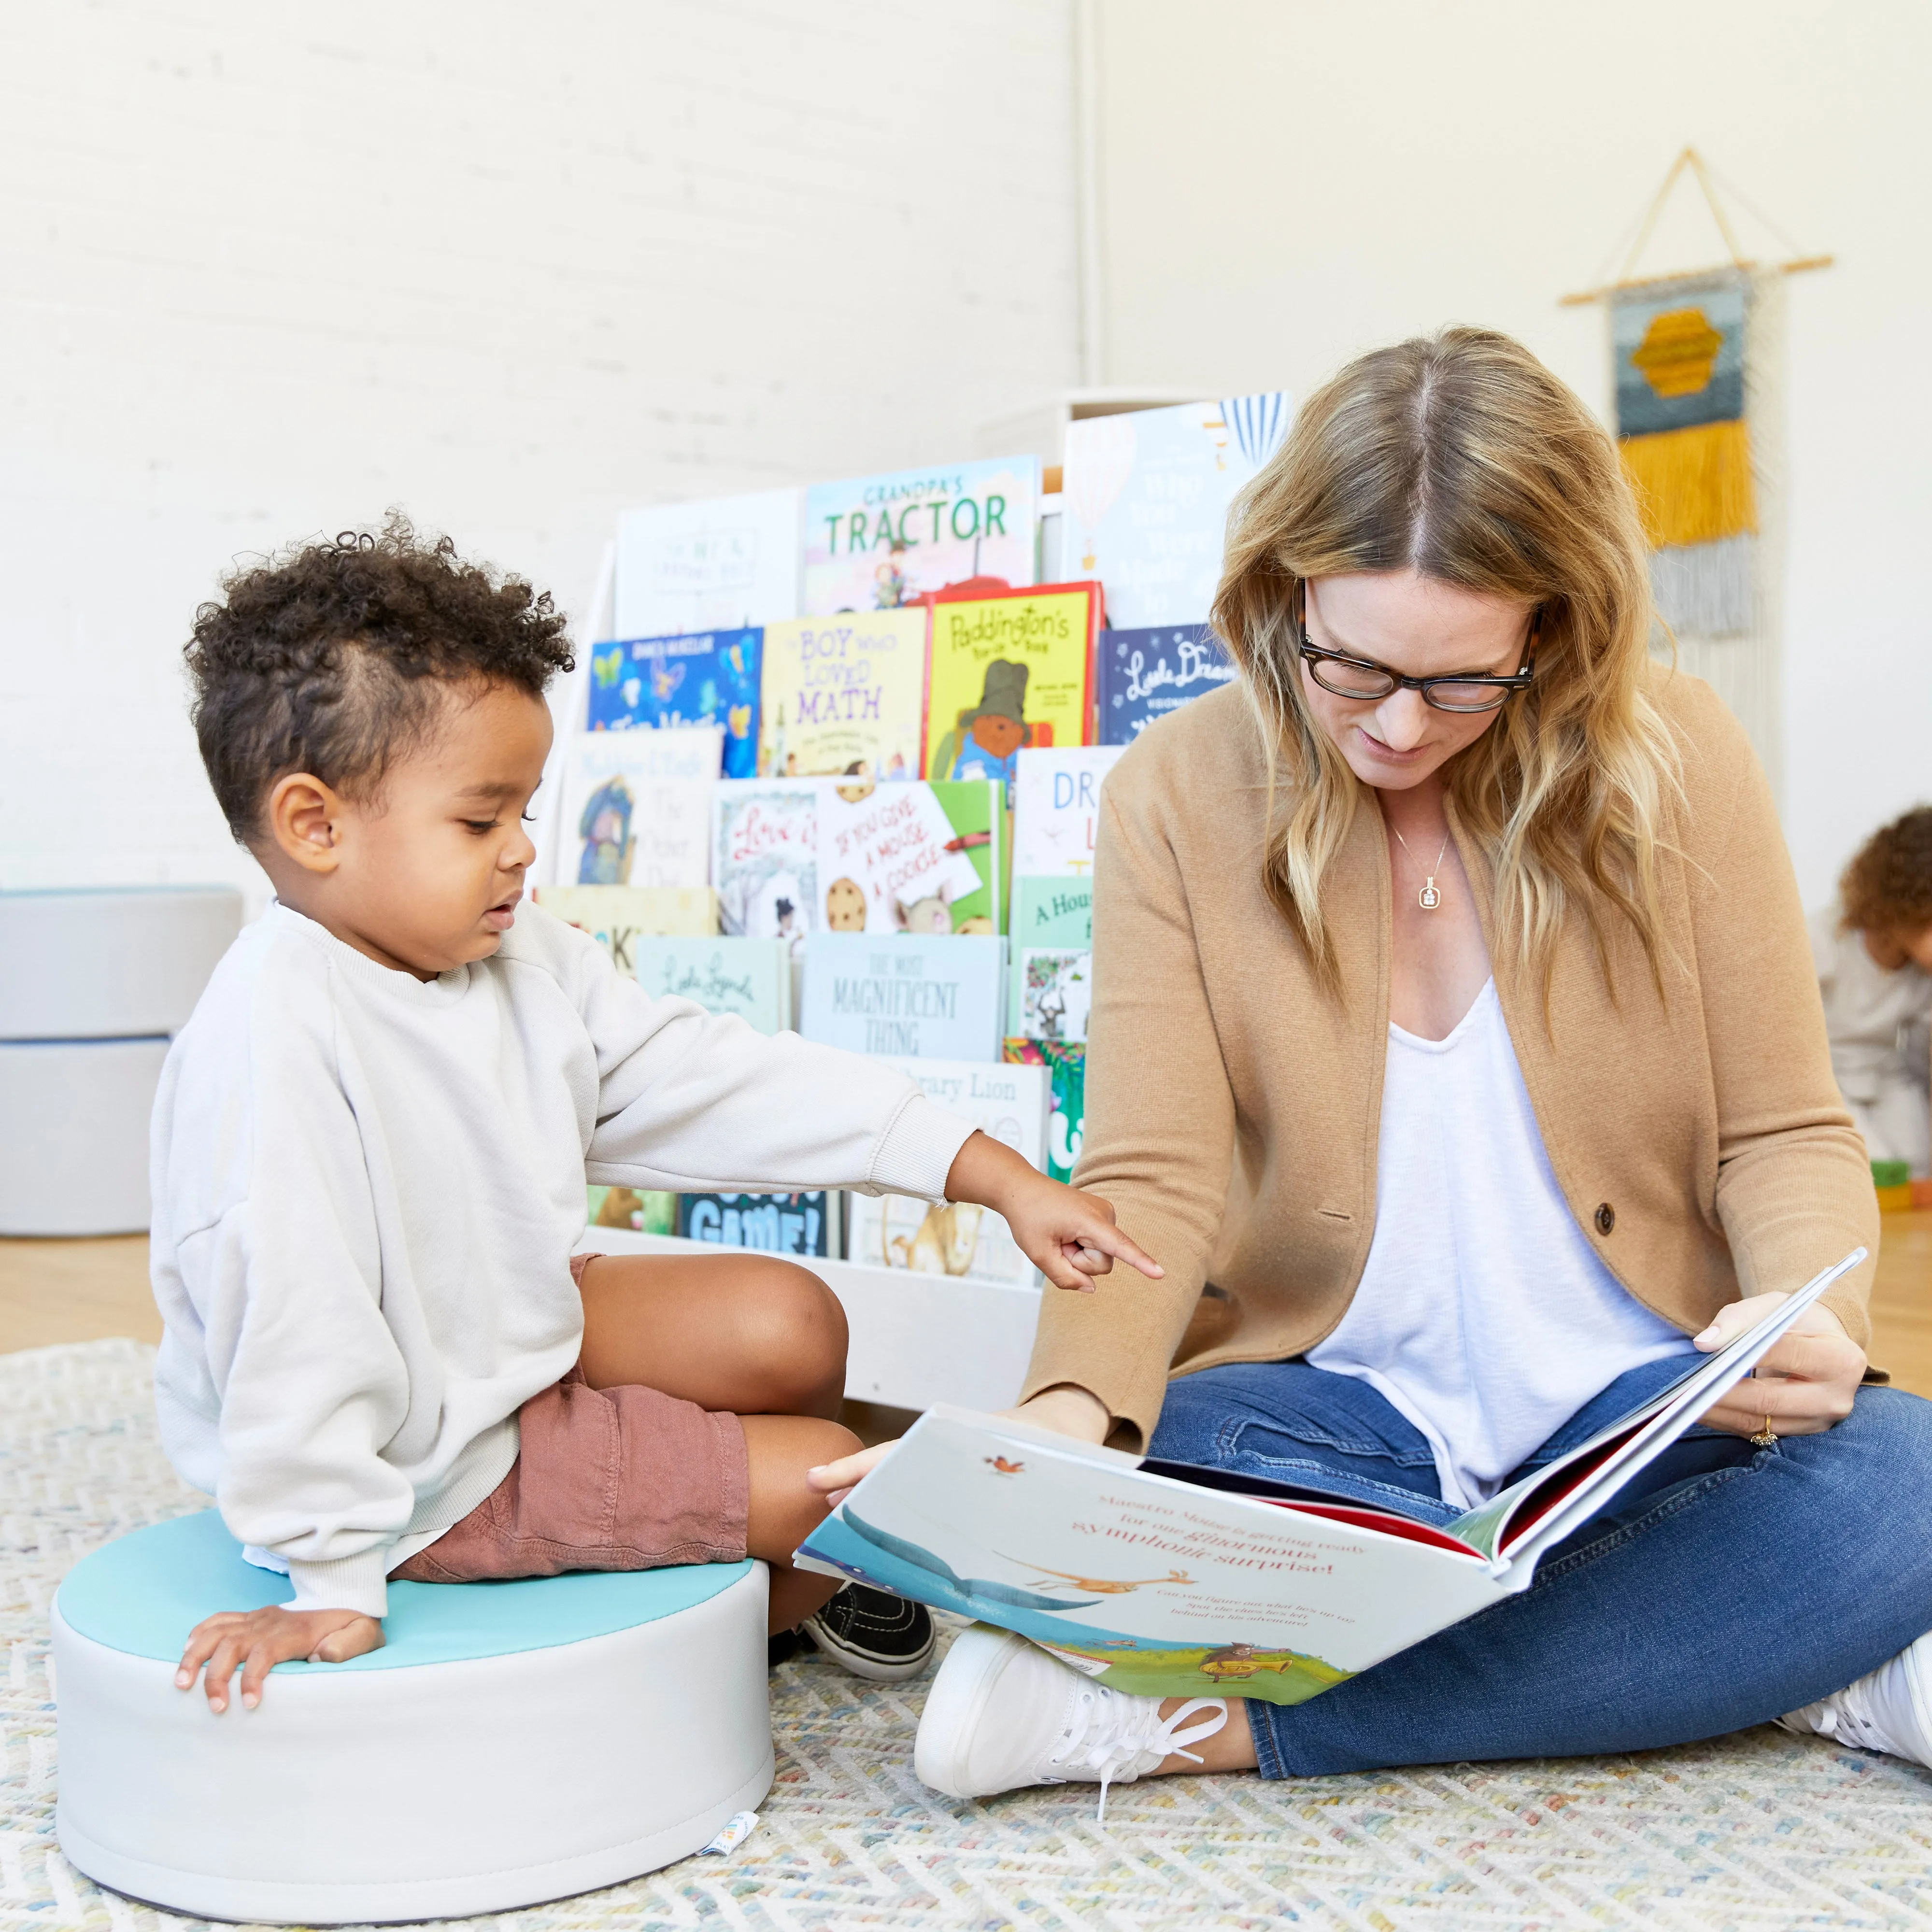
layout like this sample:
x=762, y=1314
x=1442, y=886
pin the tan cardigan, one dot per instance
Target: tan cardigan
x=1233, y=1106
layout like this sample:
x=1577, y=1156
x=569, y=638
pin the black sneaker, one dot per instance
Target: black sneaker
x=873, y=1634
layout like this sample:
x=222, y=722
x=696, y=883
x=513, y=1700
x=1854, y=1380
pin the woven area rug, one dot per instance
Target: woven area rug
x=1757, y=1831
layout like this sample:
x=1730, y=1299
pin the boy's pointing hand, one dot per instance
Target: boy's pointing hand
x=1068, y=1236
x=257, y=1640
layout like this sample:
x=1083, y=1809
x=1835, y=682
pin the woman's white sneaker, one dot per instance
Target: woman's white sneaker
x=1888, y=1709
x=1002, y=1713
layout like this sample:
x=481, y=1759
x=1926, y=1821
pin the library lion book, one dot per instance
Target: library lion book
x=1168, y=1580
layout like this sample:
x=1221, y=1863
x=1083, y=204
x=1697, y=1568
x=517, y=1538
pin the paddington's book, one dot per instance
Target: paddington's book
x=844, y=695
x=1165, y=1579
x=881, y=543
x=906, y=997
x=708, y=677
x=1146, y=497
x=749, y=977
x=1008, y=671
x=618, y=916
x=955, y=1237
x=635, y=808
x=1143, y=675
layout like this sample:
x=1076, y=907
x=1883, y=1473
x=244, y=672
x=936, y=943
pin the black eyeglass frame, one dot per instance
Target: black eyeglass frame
x=1506, y=685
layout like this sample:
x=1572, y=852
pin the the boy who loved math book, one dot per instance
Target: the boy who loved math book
x=875, y=543
x=1009, y=670
x=711, y=678
x=845, y=697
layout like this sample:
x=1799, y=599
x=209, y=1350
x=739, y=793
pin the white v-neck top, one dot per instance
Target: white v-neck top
x=1484, y=1315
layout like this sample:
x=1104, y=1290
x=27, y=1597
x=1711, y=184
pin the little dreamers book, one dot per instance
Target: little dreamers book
x=1167, y=1580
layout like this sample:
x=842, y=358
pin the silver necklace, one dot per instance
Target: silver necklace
x=1428, y=898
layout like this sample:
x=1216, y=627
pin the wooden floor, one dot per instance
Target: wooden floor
x=81, y=1291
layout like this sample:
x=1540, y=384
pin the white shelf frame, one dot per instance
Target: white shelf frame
x=916, y=1339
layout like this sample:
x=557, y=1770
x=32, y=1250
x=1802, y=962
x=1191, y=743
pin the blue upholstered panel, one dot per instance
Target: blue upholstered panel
x=142, y=1594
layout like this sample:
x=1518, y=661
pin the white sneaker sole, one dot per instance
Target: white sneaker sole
x=956, y=1704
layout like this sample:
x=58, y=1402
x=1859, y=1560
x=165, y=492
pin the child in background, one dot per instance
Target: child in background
x=1874, y=952
x=372, y=1141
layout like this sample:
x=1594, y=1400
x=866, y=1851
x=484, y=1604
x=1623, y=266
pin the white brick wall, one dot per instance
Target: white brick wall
x=270, y=268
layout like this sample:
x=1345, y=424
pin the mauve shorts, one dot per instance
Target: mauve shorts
x=606, y=1479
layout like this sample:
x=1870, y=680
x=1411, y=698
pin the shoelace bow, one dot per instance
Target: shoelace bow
x=1110, y=1733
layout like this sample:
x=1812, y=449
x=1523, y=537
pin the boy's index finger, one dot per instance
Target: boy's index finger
x=1110, y=1240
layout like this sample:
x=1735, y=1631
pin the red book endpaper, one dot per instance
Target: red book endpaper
x=1370, y=1519
x=1540, y=1502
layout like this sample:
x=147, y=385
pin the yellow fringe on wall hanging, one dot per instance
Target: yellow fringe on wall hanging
x=1693, y=486
x=1682, y=429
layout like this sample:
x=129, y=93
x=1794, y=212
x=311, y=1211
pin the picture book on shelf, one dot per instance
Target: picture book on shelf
x=844, y=695
x=957, y=1238
x=1146, y=497
x=618, y=916
x=1165, y=1580
x=920, y=858
x=642, y=1211
x=910, y=998
x=707, y=677
x=776, y=1224
x=749, y=977
x=876, y=543
x=1066, y=1067
x=1008, y=670
x=635, y=808
x=720, y=563
x=1051, y=943
x=1057, y=809
x=764, y=858
x=1143, y=675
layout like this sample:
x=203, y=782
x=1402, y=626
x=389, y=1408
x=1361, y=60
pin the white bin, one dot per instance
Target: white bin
x=74, y=1135
x=110, y=962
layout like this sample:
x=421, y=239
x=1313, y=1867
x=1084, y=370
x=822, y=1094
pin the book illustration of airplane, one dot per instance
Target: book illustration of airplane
x=1002, y=1466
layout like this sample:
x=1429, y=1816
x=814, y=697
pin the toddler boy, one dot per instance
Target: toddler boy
x=371, y=1143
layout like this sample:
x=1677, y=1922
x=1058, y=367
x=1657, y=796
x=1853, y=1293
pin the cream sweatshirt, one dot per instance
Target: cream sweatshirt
x=367, y=1188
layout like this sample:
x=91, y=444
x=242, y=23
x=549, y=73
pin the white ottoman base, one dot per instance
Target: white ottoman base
x=437, y=1791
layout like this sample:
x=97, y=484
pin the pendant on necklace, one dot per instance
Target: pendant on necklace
x=1428, y=898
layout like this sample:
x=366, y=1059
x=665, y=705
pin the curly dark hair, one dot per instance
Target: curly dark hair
x=1888, y=886
x=334, y=657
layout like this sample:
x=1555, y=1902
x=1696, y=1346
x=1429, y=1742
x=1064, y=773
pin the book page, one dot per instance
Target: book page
x=1149, y=1585
x=1511, y=1525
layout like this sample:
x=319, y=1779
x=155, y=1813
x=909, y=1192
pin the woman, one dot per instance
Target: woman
x=1455, y=1047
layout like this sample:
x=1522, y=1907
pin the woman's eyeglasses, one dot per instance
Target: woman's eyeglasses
x=1363, y=678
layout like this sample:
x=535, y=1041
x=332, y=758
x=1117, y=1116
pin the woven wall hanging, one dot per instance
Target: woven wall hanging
x=1696, y=369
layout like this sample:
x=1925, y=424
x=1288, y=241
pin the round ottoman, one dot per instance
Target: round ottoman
x=512, y=1742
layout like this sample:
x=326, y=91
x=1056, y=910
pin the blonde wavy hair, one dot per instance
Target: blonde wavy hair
x=1459, y=455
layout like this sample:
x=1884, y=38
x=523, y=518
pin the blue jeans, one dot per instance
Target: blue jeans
x=1726, y=1585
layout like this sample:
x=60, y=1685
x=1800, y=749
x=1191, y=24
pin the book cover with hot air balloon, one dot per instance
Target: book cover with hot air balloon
x=1145, y=497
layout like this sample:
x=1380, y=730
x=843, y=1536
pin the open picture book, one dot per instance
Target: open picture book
x=1168, y=1580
